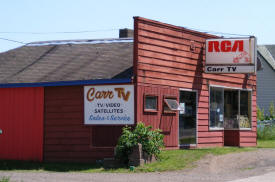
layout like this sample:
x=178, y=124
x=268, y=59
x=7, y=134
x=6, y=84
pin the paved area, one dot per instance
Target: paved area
x=251, y=166
x=268, y=177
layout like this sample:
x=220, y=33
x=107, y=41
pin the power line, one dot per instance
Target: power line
x=114, y=29
x=217, y=33
x=12, y=40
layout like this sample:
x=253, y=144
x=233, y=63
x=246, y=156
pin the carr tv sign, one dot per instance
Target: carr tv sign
x=236, y=55
x=109, y=105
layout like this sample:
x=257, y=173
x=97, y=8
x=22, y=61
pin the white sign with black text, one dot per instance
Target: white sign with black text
x=229, y=69
x=236, y=55
x=109, y=104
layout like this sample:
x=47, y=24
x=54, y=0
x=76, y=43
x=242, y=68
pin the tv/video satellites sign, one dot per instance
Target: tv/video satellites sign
x=109, y=104
x=231, y=55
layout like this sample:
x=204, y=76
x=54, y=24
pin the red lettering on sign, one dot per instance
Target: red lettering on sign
x=225, y=46
x=213, y=44
x=238, y=44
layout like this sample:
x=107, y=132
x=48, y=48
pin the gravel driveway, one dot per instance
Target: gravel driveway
x=211, y=168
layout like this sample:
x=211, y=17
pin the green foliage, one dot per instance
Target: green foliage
x=271, y=115
x=271, y=110
x=151, y=140
x=266, y=132
x=260, y=114
x=4, y=179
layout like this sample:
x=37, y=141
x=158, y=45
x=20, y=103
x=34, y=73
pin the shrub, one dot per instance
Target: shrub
x=271, y=110
x=260, y=114
x=151, y=140
x=266, y=132
x=4, y=179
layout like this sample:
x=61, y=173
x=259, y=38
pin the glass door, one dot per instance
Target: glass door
x=188, y=118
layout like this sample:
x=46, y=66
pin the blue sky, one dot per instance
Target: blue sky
x=21, y=20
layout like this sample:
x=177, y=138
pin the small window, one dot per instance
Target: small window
x=170, y=105
x=150, y=103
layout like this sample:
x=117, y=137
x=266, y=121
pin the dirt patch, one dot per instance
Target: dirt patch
x=234, y=165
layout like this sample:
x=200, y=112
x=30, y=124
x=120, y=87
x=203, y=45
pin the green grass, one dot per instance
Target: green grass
x=170, y=160
x=266, y=132
x=266, y=143
x=181, y=159
x=4, y=179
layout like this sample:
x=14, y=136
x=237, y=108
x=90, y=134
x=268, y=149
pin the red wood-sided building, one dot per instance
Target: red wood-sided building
x=42, y=112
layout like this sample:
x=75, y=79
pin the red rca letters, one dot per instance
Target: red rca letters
x=225, y=46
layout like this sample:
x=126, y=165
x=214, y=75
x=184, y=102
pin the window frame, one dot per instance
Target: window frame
x=144, y=103
x=209, y=118
x=171, y=111
x=239, y=91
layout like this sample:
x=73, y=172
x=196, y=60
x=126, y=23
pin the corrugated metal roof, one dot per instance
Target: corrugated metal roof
x=268, y=52
x=54, y=61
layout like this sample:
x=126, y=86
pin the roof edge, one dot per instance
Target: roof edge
x=194, y=32
x=83, y=41
x=267, y=55
x=66, y=83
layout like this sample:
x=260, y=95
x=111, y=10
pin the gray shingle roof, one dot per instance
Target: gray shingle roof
x=67, y=61
x=268, y=52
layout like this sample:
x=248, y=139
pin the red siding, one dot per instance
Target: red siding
x=232, y=138
x=166, y=122
x=66, y=136
x=21, y=119
x=164, y=62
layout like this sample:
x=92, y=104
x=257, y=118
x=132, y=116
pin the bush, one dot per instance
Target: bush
x=260, y=114
x=271, y=110
x=151, y=140
x=4, y=179
x=266, y=132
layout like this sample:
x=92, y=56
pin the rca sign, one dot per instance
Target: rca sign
x=231, y=55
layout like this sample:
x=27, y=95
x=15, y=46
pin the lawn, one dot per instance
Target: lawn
x=266, y=143
x=169, y=160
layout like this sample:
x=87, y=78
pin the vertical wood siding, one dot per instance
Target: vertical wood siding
x=66, y=136
x=21, y=120
x=164, y=62
x=166, y=122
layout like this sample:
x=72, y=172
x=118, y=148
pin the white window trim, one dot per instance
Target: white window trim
x=232, y=88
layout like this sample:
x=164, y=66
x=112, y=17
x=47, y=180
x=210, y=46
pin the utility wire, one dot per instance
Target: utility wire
x=217, y=33
x=12, y=40
x=105, y=30
x=102, y=30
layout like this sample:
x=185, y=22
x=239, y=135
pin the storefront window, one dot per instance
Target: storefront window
x=216, y=107
x=230, y=108
x=245, y=109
